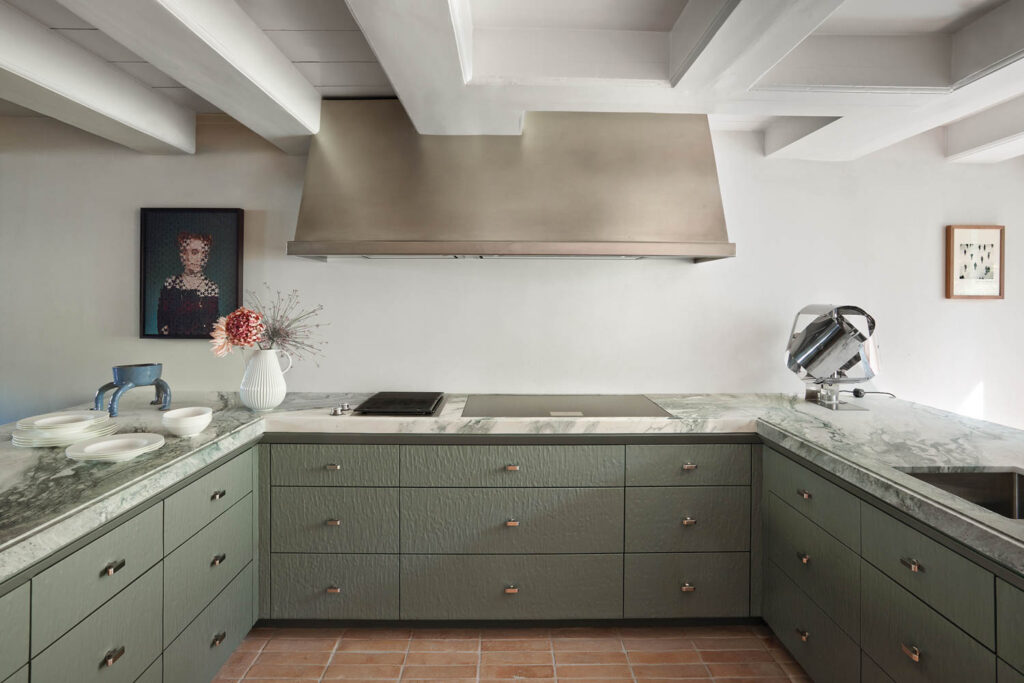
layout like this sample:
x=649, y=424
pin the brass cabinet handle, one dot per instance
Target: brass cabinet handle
x=689, y=521
x=333, y=522
x=218, y=560
x=217, y=495
x=688, y=588
x=912, y=564
x=112, y=656
x=218, y=639
x=511, y=590
x=804, y=635
x=113, y=568
x=511, y=468
x=333, y=589
x=912, y=652
x=689, y=466
x=512, y=522
x=332, y=466
x=804, y=557
x=804, y=493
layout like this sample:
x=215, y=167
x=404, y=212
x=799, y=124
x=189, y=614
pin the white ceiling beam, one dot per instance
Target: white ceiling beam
x=693, y=30
x=988, y=43
x=996, y=134
x=45, y=72
x=462, y=23
x=785, y=130
x=752, y=39
x=213, y=48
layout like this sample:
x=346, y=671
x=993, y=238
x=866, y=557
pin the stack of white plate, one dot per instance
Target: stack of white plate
x=62, y=429
x=117, y=448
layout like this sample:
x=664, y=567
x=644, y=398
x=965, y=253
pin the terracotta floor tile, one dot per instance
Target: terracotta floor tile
x=308, y=632
x=438, y=672
x=238, y=663
x=586, y=644
x=514, y=632
x=736, y=656
x=608, y=657
x=497, y=658
x=284, y=671
x=441, y=658
x=781, y=655
x=366, y=671
x=252, y=644
x=649, y=644
x=294, y=657
x=517, y=671
x=527, y=645
x=749, y=643
x=746, y=679
x=585, y=632
x=670, y=671
x=372, y=633
x=368, y=658
x=444, y=645
x=276, y=644
x=737, y=669
x=720, y=631
x=637, y=632
x=513, y=680
x=347, y=645
x=286, y=680
x=664, y=657
x=793, y=669
x=445, y=633
x=593, y=671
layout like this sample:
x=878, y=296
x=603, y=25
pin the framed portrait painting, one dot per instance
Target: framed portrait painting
x=974, y=261
x=191, y=270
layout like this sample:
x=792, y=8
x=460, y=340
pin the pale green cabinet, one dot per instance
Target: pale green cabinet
x=14, y=619
x=684, y=585
x=1010, y=624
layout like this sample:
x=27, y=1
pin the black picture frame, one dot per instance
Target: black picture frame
x=177, y=300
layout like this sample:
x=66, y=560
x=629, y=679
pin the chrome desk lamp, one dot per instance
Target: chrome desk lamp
x=825, y=351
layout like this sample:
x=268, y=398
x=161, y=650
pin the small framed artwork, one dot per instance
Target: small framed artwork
x=974, y=261
x=191, y=270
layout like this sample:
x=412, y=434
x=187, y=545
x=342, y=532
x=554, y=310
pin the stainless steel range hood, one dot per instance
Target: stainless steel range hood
x=590, y=185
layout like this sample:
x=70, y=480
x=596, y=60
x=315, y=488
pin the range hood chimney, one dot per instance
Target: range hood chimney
x=573, y=185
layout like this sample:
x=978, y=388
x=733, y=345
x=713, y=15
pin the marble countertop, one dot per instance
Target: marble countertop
x=47, y=501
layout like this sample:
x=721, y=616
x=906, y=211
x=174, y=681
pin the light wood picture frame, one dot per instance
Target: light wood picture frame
x=975, y=260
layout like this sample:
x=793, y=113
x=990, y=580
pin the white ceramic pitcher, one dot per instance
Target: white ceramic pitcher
x=263, y=387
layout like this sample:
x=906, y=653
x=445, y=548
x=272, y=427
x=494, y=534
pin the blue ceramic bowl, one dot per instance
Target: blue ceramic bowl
x=140, y=375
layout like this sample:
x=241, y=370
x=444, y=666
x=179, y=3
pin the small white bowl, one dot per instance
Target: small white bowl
x=187, y=421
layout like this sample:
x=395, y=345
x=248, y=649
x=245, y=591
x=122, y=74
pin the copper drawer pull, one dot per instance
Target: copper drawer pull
x=219, y=639
x=218, y=560
x=112, y=656
x=804, y=557
x=804, y=493
x=512, y=522
x=332, y=466
x=511, y=590
x=804, y=635
x=912, y=564
x=217, y=495
x=333, y=522
x=511, y=468
x=113, y=568
x=689, y=521
x=689, y=466
x=912, y=652
x=688, y=588
x=333, y=589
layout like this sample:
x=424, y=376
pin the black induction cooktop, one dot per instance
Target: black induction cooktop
x=401, y=403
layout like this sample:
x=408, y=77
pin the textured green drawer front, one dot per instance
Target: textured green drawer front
x=302, y=520
x=825, y=569
x=1007, y=674
x=717, y=518
x=20, y=676
x=688, y=465
x=361, y=586
x=199, y=569
x=892, y=618
x=196, y=505
x=333, y=465
x=953, y=585
x=14, y=623
x=654, y=585
x=195, y=655
x=821, y=501
x=70, y=590
x=154, y=674
x=130, y=620
x=489, y=465
x=871, y=672
x=1010, y=623
x=814, y=640
x=474, y=586
x=517, y=521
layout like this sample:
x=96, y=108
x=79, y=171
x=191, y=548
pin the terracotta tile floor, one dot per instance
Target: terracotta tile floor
x=574, y=654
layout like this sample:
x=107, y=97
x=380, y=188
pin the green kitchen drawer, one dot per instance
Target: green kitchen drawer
x=824, y=503
x=950, y=583
x=1007, y=674
x=197, y=571
x=199, y=652
x=660, y=585
x=1010, y=624
x=154, y=674
x=687, y=519
x=822, y=567
x=822, y=648
x=196, y=505
x=333, y=519
x=871, y=672
x=333, y=465
x=14, y=620
x=511, y=466
x=688, y=465
x=896, y=627
x=124, y=632
x=19, y=676
x=511, y=586
x=307, y=586
x=515, y=521
x=70, y=590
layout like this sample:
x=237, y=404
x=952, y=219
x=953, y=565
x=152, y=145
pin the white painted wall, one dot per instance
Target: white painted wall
x=868, y=232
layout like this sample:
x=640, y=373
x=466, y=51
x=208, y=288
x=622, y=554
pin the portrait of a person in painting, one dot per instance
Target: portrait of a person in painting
x=189, y=301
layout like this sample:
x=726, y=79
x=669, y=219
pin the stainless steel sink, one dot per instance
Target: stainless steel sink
x=997, y=491
x=561, y=405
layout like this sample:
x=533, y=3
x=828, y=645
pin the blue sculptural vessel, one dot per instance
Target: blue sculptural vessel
x=130, y=376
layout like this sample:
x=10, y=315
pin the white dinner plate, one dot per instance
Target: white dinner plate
x=65, y=421
x=115, y=448
x=33, y=439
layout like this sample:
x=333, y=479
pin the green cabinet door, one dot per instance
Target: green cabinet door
x=687, y=519
x=1010, y=623
x=20, y=676
x=871, y=672
x=154, y=674
x=912, y=642
x=14, y=623
x=199, y=503
x=327, y=519
x=310, y=586
x=663, y=585
x=1007, y=674
x=512, y=466
x=334, y=465
x=688, y=465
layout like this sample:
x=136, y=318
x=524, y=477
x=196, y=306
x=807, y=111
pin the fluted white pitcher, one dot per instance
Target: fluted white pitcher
x=263, y=387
